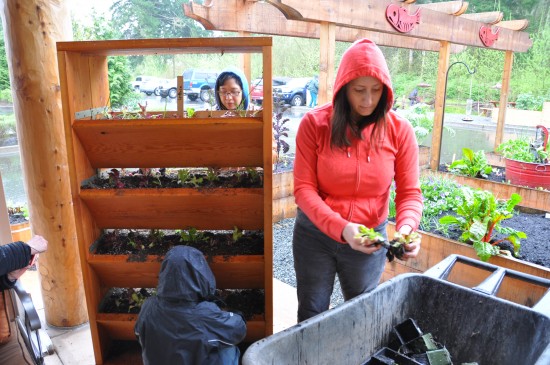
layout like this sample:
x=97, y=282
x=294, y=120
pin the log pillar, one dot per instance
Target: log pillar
x=31, y=29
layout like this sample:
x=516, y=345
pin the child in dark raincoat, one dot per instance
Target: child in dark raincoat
x=180, y=325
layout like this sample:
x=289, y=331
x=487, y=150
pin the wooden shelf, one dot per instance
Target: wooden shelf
x=231, y=272
x=177, y=208
x=121, y=326
x=154, y=143
x=187, y=142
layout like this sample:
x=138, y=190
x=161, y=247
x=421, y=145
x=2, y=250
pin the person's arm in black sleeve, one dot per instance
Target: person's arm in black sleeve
x=13, y=256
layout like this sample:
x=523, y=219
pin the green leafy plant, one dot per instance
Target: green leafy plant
x=186, y=178
x=480, y=216
x=422, y=122
x=520, y=149
x=528, y=101
x=473, y=164
x=190, y=112
x=212, y=174
x=237, y=233
x=368, y=234
x=191, y=235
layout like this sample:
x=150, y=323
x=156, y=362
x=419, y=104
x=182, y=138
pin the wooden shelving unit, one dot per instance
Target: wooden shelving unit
x=181, y=142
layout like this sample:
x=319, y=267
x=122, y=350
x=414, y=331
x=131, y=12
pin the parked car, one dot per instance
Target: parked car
x=257, y=88
x=169, y=88
x=293, y=92
x=151, y=86
x=136, y=84
x=196, y=83
x=199, y=83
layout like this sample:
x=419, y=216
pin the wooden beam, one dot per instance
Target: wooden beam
x=508, y=62
x=448, y=7
x=246, y=60
x=520, y=24
x=442, y=69
x=434, y=25
x=326, y=62
x=262, y=18
x=491, y=17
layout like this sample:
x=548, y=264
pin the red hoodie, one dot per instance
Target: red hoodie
x=333, y=186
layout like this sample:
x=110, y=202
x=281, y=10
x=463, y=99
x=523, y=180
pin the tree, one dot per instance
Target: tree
x=4, y=72
x=154, y=19
x=121, y=92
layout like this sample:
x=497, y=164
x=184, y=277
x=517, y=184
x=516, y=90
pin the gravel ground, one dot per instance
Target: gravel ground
x=283, y=263
x=535, y=249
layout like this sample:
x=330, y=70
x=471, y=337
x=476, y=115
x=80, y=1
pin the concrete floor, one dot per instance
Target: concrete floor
x=74, y=346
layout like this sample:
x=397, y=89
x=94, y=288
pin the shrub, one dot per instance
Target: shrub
x=5, y=95
x=529, y=102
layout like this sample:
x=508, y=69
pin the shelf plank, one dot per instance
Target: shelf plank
x=121, y=326
x=168, y=46
x=188, y=142
x=123, y=271
x=211, y=209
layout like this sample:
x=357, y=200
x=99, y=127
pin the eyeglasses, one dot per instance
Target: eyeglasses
x=229, y=93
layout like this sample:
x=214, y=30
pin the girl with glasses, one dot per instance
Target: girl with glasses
x=232, y=90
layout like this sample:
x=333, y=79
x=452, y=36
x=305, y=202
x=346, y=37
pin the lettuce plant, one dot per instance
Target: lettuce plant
x=472, y=164
x=479, y=216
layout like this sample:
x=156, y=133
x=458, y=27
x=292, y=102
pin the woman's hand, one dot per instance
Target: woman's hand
x=367, y=246
x=37, y=244
x=412, y=248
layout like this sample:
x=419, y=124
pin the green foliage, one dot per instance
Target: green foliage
x=479, y=216
x=120, y=82
x=185, y=177
x=4, y=71
x=421, y=122
x=191, y=235
x=421, y=119
x=520, y=149
x=472, y=164
x=237, y=233
x=7, y=125
x=6, y=96
x=529, y=102
x=368, y=234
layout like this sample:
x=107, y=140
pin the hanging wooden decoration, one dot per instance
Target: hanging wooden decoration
x=400, y=19
x=487, y=36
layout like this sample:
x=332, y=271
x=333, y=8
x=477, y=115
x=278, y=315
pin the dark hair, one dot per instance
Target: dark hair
x=341, y=120
x=222, y=78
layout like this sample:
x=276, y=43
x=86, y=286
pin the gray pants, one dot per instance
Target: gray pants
x=317, y=260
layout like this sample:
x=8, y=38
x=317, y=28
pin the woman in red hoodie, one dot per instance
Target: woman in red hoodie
x=348, y=153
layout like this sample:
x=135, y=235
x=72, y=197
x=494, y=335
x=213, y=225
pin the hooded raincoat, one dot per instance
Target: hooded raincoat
x=244, y=85
x=179, y=325
x=334, y=186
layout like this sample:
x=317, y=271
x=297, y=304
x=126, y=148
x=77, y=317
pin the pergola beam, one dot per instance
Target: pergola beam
x=261, y=18
x=519, y=24
x=448, y=7
x=434, y=25
x=491, y=17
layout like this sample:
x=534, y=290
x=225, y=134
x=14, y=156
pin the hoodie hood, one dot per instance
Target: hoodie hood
x=363, y=58
x=185, y=276
x=244, y=82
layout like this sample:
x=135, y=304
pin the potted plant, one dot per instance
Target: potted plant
x=526, y=161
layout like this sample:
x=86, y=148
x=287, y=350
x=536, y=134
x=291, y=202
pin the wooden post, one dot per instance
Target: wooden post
x=442, y=67
x=31, y=29
x=326, y=62
x=246, y=63
x=508, y=61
